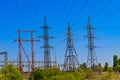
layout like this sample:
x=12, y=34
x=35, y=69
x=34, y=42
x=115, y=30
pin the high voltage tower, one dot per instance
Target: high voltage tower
x=47, y=47
x=91, y=58
x=71, y=59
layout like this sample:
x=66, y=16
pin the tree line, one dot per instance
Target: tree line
x=106, y=72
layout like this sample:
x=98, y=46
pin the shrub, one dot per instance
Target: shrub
x=11, y=73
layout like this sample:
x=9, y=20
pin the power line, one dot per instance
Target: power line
x=59, y=43
x=102, y=8
x=10, y=36
x=63, y=9
x=36, y=15
x=73, y=3
x=61, y=15
x=108, y=17
x=7, y=46
x=84, y=6
x=92, y=8
x=3, y=29
x=69, y=12
x=19, y=14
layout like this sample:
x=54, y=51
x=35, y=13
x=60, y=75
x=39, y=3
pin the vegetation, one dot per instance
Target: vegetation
x=10, y=72
x=116, y=63
x=56, y=74
x=106, y=66
x=2, y=77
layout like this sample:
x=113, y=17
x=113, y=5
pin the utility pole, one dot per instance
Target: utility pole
x=71, y=59
x=47, y=47
x=20, y=51
x=21, y=48
x=91, y=58
x=32, y=47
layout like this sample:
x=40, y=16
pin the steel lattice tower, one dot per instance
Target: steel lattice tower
x=46, y=37
x=92, y=58
x=71, y=59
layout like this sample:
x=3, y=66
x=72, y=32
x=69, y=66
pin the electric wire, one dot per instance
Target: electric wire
x=102, y=9
x=7, y=46
x=84, y=6
x=62, y=11
x=106, y=19
x=6, y=32
x=19, y=14
x=22, y=23
x=91, y=9
x=69, y=12
x=109, y=16
x=61, y=15
x=73, y=3
x=36, y=14
x=9, y=35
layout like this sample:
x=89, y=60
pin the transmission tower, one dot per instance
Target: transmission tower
x=91, y=58
x=71, y=59
x=47, y=47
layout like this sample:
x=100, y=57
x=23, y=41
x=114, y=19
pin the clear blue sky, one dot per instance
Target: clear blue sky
x=28, y=14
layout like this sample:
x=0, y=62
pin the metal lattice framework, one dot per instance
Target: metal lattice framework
x=71, y=59
x=91, y=58
x=47, y=47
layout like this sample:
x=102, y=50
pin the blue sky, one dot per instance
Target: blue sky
x=28, y=14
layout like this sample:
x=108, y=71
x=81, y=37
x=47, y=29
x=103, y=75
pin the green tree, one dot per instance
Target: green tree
x=11, y=73
x=56, y=74
x=39, y=74
x=106, y=66
x=108, y=76
x=117, y=68
x=110, y=69
x=115, y=61
x=99, y=68
x=69, y=76
x=2, y=77
x=118, y=61
x=83, y=66
x=43, y=74
x=84, y=74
